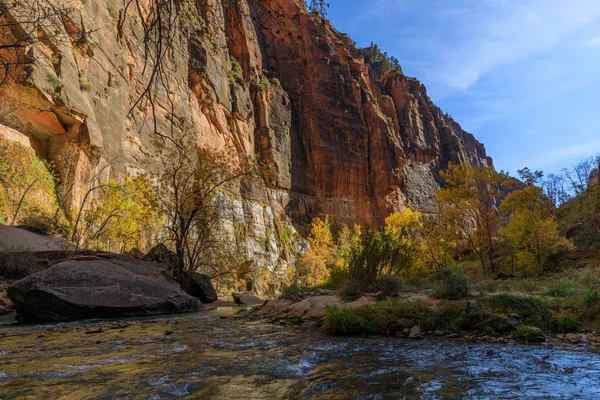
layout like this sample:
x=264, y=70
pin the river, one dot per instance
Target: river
x=206, y=356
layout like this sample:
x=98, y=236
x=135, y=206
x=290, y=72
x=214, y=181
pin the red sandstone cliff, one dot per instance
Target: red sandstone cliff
x=341, y=142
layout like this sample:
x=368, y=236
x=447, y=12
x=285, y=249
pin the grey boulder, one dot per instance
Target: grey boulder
x=199, y=286
x=103, y=286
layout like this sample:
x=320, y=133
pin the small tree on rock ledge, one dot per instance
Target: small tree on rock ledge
x=319, y=7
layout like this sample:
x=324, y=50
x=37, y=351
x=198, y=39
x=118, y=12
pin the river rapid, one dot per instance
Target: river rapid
x=210, y=356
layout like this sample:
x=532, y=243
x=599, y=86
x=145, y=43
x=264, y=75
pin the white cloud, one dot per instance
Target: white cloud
x=505, y=32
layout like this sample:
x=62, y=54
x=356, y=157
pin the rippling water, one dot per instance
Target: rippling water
x=209, y=357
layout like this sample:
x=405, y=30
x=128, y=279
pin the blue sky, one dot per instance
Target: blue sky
x=522, y=75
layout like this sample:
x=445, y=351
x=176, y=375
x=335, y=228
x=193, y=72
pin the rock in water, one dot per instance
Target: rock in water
x=247, y=299
x=106, y=286
x=199, y=286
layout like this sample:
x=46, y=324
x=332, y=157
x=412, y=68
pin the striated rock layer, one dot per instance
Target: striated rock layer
x=245, y=77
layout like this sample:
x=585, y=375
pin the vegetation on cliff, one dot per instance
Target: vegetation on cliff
x=27, y=187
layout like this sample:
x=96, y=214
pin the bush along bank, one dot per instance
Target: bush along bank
x=504, y=318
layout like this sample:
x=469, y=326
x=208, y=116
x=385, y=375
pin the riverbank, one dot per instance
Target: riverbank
x=504, y=318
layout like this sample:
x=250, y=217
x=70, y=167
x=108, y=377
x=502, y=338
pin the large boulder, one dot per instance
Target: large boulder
x=160, y=254
x=103, y=286
x=199, y=286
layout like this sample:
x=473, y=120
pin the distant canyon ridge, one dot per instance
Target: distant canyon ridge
x=250, y=78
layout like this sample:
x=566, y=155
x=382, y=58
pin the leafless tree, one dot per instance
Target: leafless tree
x=556, y=189
x=186, y=195
x=578, y=176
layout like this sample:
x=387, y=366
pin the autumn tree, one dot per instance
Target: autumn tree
x=315, y=265
x=121, y=217
x=439, y=241
x=532, y=229
x=321, y=241
x=469, y=199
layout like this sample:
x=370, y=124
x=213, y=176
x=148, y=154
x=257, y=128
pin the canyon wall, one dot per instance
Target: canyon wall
x=246, y=77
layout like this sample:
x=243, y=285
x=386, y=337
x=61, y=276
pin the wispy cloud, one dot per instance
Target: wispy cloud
x=563, y=155
x=593, y=42
x=511, y=31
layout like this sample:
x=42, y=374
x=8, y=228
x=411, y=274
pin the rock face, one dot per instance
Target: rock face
x=99, y=287
x=339, y=140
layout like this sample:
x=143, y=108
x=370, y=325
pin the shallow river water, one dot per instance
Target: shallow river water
x=207, y=357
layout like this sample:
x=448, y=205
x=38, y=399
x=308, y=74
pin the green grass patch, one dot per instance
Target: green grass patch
x=345, y=321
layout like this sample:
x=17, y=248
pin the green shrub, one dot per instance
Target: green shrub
x=381, y=253
x=386, y=317
x=84, y=84
x=389, y=285
x=291, y=292
x=344, y=321
x=537, y=312
x=450, y=284
x=352, y=290
x=54, y=81
x=39, y=224
x=379, y=61
x=591, y=297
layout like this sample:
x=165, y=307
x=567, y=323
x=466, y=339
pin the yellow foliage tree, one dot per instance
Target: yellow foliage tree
x=440, y=241
x=469, y=200
x=315, y=265
x=532, y=229
x=121, y=217
x=321, y=241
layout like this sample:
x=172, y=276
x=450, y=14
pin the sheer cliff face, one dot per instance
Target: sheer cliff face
x=361, y=147
x=340, y=141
